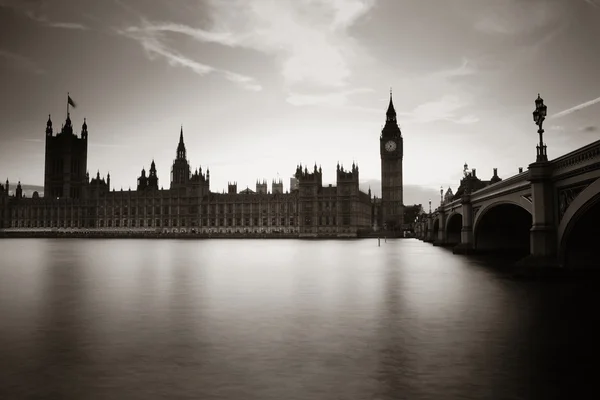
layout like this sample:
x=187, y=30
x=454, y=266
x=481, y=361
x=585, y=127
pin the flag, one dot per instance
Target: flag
x=71, y=102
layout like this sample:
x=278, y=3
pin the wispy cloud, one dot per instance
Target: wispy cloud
x=465, y=69
x=309, y=36
x=150, y=39
x=67, y=25
x=246, y=82
x=576, y=108
x=21, y=62
x=593, y=3
x=444, y=109
x=32, y=9
x=154, y=47
x=224, y=38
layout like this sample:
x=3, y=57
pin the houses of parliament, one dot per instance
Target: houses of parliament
x=75, y=203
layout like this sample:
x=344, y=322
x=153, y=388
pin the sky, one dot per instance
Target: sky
x=262, y=85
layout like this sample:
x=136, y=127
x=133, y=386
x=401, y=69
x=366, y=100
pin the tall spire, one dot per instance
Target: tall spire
x=391, y=112
x=391, y=130
x=49, y=126
x=181, y=145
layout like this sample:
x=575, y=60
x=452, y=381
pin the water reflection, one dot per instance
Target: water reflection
x=231, y=319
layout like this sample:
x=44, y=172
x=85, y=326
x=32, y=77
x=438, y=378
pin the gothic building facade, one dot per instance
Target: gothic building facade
x=72, y=202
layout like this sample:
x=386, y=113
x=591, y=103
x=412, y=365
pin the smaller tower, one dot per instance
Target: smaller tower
x=49, y=126
x=180, y=172
x=142, y=181
x=231, y=188
x=152, y=177
x=277, y=186
x=84, y=131
x=19, y=191
x=261, y=187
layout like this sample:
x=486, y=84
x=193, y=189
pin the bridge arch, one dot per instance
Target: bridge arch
x=453, y=228
x=579, y=230
x=436, y=228
x=503, y=226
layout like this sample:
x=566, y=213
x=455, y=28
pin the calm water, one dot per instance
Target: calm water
x=284, y=319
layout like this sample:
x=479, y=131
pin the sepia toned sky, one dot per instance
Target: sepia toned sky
x=261, y=85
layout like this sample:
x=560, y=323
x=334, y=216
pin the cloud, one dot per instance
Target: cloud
x=151, y=42
x=309, y=37
x=593, y=3
x=224, y=38
x=67, y=25
x=154, y=47
x=245, y=81
x=444, y=109
x=467, y=68
x=588, y=129
x=334, y=99
x=576, y=108
x=33, y=9
x=21, y=62
x=514, y=17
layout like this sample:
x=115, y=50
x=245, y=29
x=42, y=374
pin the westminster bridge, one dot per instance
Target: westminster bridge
x=550, y=212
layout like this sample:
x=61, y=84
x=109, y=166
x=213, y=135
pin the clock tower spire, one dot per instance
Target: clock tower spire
x=391, y=151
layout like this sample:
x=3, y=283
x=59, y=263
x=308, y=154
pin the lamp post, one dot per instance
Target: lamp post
x=539, y=115
x=429, y=207
x=441, y=195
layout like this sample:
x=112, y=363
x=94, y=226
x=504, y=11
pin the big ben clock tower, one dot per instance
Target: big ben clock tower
x=391, y=151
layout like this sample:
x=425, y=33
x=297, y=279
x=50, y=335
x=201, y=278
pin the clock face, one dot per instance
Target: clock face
x=390, y=145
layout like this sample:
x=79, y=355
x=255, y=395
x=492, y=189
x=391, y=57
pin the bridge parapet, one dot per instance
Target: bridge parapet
x=512, y=184
x=447, y=207
x=583, y=158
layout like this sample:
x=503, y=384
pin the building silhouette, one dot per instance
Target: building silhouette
x=73, y=201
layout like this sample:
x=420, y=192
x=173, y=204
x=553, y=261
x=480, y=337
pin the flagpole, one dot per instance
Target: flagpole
x=67, y=104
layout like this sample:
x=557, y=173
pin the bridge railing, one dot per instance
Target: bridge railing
x=574, y=159
x=515, y=181
x=451, y=205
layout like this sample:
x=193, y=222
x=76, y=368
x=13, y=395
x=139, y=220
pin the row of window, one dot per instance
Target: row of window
x=157, y=223
x=181, y=210
x=226, y=222
x=324, y=221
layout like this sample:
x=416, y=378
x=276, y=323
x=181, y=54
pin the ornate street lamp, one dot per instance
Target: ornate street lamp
x=539, y=115
x=429, y=206
x=441, y=195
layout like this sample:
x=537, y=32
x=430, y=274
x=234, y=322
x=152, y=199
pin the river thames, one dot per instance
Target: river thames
x=285, y=319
